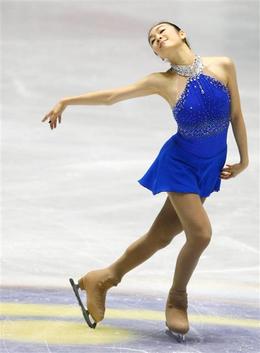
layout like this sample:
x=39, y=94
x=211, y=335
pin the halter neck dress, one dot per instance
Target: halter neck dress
x=191, y=160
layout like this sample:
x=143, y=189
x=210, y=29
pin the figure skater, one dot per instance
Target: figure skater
x=204, y=99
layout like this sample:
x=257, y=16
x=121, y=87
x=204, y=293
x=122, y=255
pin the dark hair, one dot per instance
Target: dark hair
x=173, y=25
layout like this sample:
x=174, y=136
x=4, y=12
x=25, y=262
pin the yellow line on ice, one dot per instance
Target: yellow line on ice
x=62, y=332
x=62, y=311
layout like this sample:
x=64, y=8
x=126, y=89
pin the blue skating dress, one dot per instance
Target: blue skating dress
x=191, y=160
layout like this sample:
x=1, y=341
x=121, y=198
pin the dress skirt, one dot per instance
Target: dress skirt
x=180, y=168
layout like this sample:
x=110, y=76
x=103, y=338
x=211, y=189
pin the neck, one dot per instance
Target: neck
x=183, y=56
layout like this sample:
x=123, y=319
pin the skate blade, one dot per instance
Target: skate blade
x=86, y=314
x=180, y=337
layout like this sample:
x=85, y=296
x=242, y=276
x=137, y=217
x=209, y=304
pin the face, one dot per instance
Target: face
x=163, y=38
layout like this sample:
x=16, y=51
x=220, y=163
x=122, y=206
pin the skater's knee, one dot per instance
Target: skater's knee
x=200, y=237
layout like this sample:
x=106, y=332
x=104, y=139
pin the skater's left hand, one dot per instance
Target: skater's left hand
x=232, y=170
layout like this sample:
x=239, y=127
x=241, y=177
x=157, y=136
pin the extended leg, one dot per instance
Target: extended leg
x=96, y=283
x=164, y=228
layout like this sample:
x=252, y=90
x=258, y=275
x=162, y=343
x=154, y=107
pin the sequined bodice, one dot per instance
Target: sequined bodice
x=203, y=108
x=202, y=114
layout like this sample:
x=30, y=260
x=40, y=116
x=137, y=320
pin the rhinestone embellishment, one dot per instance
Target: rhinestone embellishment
x=203, y=112
x=189, y=70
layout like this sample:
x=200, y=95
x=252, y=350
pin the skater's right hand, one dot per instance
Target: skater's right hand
x=55, y=114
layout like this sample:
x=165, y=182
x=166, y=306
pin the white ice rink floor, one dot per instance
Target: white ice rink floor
x=70, y=197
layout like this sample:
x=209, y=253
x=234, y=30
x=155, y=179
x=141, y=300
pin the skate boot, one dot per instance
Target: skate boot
x=176, y=314
x=96, y=284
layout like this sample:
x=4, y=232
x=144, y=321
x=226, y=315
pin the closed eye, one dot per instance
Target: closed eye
x=160, y=32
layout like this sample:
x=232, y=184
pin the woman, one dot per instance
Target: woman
x=203, y=95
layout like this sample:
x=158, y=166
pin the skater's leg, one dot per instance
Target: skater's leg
x=162, y=231
x=164, y=228
x=96, y=283
x=198, y=232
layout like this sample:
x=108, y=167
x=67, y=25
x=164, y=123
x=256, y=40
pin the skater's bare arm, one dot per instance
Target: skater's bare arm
x=237, y=118
x=145, y=86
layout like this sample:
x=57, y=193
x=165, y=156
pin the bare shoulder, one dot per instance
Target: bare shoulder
x=229, y=65
x=224, y=63
x=156, y=78
x=164, y=83
x=159, y=81
x=218, y=60
x=219, y=66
